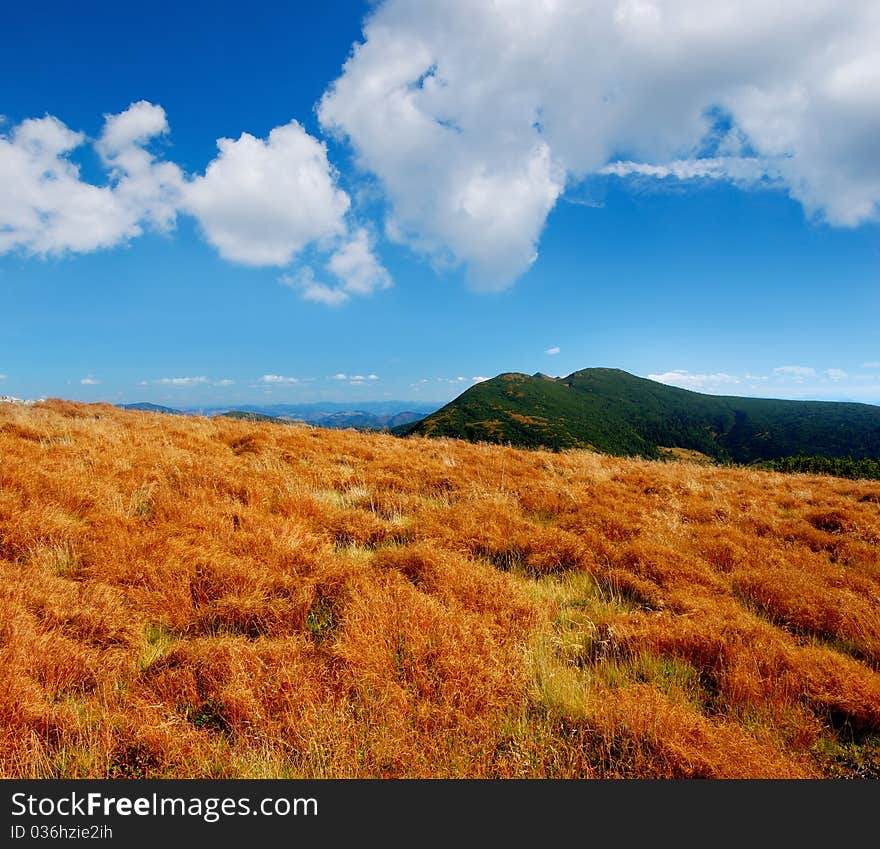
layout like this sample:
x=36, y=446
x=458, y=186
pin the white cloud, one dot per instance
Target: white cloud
x=278, y=379
x=686, y=380
x=802, y=382
x=355, y=268
x=475, y=116
x=479, y=379
x=45, y=206
x=147, y=189
x=261, y=202
x=552, y=351
x=796, y=372
x=355, y=378
x=225, y=382
x=310, y=289
x=89, y=381
x=176, y=381
x=741, y=170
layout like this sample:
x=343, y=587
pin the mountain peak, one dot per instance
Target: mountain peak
x=613, y=411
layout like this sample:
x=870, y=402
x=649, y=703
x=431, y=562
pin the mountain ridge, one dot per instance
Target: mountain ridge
x=366, y=415
x=615, y=412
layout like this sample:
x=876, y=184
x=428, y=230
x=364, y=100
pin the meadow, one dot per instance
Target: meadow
x=193, y=597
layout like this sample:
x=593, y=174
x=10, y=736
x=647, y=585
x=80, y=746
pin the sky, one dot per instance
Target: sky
x=209, y=204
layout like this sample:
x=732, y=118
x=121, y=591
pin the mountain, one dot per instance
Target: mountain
x=357, y=419
x=256, y=417
x=363, y=420
x=315, y=411
x=615, y=412
x=146, y=407
x=369, y=415
x=404, y=418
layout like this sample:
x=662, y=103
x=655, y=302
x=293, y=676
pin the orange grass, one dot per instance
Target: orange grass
x=208, y=597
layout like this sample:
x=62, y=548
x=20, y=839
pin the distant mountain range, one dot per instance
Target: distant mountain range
x=319, y=409
x=369, y=415
x=146, y=407
x=358, y=419
x=615, y=412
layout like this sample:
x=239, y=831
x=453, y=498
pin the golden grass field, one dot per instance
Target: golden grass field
x=191, y=597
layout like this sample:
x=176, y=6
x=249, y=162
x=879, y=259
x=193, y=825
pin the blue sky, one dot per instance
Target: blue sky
x=464, y=200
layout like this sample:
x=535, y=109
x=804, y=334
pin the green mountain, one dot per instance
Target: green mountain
x=615, y=412
x=362, y=420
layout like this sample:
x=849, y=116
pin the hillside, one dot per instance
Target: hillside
x=363, y=420
x=191, y=596
x=618, y=413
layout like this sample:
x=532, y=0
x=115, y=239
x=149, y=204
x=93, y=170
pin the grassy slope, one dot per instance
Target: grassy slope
x=618, y=413
x=212, y=597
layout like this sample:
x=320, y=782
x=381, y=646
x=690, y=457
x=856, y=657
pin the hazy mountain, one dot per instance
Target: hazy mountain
x=247, y=415
x=315, y=410
x=146, y=407
x=367, y=415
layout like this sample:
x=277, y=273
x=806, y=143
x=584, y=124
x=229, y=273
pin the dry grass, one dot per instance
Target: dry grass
x=193, y=597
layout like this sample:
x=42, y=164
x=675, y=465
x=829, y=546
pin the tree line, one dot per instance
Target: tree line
x=841, y=467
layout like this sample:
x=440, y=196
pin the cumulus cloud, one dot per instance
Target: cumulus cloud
x=176, y=381
x=47, y=208
x=782, y=382
x=278, y=379
x=355, y=379
x=354, y=266
x=552, y=351
x=796, y=372
x=148, y=189
x=261, y=202
x=686, y=380
x=89, y=381
x=475, y=117
x=312, y=289
x=225, y=382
